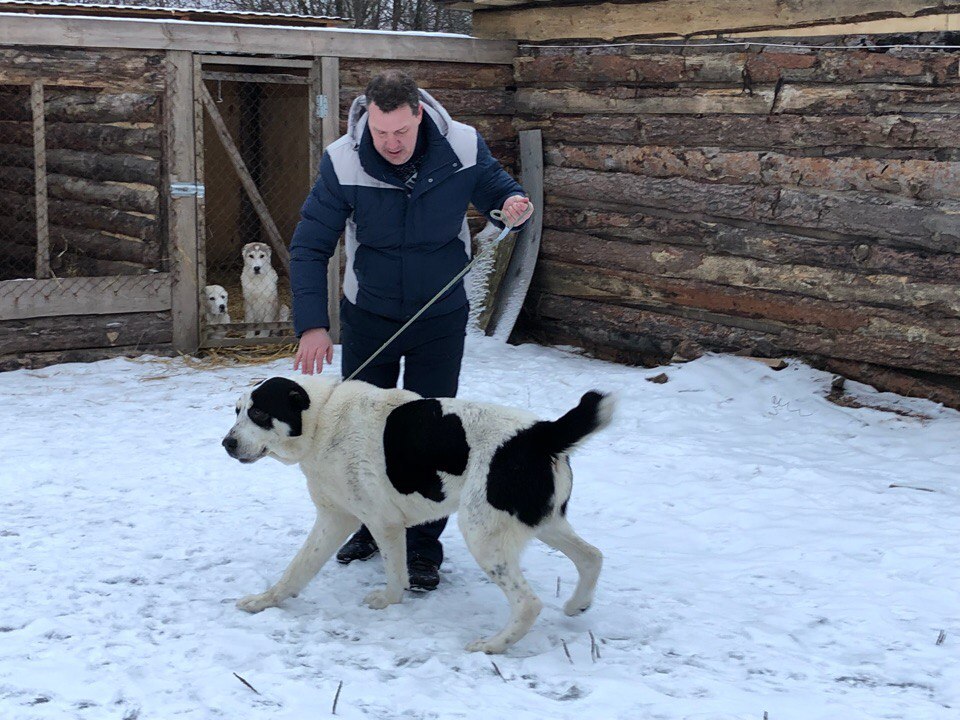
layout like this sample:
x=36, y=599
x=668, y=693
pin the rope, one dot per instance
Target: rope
x=497, y=215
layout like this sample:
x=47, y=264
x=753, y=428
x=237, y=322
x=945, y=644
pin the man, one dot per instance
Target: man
x=399, y=183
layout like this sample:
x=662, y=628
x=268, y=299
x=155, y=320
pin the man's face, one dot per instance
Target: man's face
x=394, y=133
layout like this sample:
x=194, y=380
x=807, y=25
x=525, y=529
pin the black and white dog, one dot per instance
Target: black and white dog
x=391, y=459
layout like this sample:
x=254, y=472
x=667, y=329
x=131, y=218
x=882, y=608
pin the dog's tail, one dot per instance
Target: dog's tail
x=594, y=413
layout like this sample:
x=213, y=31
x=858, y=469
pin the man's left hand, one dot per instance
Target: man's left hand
x=516, y=210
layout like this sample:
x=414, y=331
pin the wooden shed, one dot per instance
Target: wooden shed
x=752, y=176
x=138, y=154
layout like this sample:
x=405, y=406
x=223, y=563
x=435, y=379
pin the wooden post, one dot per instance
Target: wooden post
x=201, y=176
x=182, y=209
x=516, y=279
x=40, y=180
x=330, y=131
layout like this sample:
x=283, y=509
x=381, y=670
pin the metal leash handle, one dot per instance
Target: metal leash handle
x=496, y=215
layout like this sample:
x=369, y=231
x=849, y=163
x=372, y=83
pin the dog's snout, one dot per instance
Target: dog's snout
x=222, y=307
x=230, y=443
x=256, y=270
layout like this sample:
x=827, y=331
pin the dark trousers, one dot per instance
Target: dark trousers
x=432, y=351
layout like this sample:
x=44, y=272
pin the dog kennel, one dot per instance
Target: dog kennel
x=136, y=163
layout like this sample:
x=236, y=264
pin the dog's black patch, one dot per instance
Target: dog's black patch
x=521, y=475
x=279, y=399
x=520, y=481
x=419, y=441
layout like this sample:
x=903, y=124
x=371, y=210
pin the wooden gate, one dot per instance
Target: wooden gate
x=261, y=126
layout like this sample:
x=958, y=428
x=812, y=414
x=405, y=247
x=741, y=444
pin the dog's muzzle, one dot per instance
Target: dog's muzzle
x=256, y=270
x=231, y=445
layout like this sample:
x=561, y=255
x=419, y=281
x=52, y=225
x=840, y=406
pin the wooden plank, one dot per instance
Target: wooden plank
x=889, y=336
x=652, y=336
x=76, y=105
x=20, y=361
x=99, y=69
x=92, y=165
x=40, y=180
x=258, y=61
x=633, y=101
x=892, y=220
x=105, y=139
x=430, y=75
x=736, y=66
x=131, y=197
x=249, y=186
x=70, y=332
x=920, y=179
x=612, y=21
x=267, y=78
x=330, y=130
x=519, y=271
x=249, y=40
x=880, y=289
x=85, y=296
x=200, y=169
x=182, y=211
x=751, y=240
x=926, y=136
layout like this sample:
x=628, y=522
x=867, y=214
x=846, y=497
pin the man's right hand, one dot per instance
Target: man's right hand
x=315, y=347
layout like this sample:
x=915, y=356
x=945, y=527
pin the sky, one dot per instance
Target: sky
x=766, y=551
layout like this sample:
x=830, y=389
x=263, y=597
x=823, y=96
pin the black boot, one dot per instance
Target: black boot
x=360, y=547
x=424, y=573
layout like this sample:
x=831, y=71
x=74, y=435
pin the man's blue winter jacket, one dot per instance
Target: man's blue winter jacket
x=402, y=246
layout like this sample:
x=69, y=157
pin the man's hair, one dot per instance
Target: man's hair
x=392, y=89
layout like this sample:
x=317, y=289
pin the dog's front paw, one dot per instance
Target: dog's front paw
x=379, y=599
x=488, y=646
x=575, y=607
x=256, y=603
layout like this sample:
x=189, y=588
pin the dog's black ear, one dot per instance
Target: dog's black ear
x=299, y=398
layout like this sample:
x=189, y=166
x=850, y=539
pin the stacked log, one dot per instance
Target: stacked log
x=102, y=125
x=768, y=201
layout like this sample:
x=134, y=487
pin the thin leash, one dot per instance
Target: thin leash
x=497, y=215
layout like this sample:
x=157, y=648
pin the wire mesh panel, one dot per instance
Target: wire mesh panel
x=18, y=229
x=256, y=160
x=79, y=172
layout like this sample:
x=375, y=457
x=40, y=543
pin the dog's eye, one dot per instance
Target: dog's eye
x=259, y=417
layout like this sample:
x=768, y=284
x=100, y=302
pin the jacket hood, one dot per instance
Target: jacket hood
x=357, y=117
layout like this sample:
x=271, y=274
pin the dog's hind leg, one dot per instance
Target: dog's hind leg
x=559, y=534
x=329, y=531
x=499, y=556
x=392, y=541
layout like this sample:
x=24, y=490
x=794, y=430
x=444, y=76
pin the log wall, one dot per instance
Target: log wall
x=103, y=139
x=765, y=200
x=103, y=148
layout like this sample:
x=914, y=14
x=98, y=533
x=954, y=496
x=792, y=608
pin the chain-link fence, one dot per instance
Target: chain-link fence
x=256, y=170
x=79, y=179
x=18, y=230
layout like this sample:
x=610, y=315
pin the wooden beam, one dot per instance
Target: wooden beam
x=519, y=271
x=330, y=131
x=256, y=199
x=268, y=78
x=202, y=37
x=182, y=211
x=85, y=296
x=686, y=18
x=40, y=180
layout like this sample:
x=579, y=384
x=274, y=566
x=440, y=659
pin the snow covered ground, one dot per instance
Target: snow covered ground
x=757, y=558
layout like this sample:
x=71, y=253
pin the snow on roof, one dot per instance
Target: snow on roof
x=60, y=7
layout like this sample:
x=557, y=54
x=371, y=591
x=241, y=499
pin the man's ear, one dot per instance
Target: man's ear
x=299, y=399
